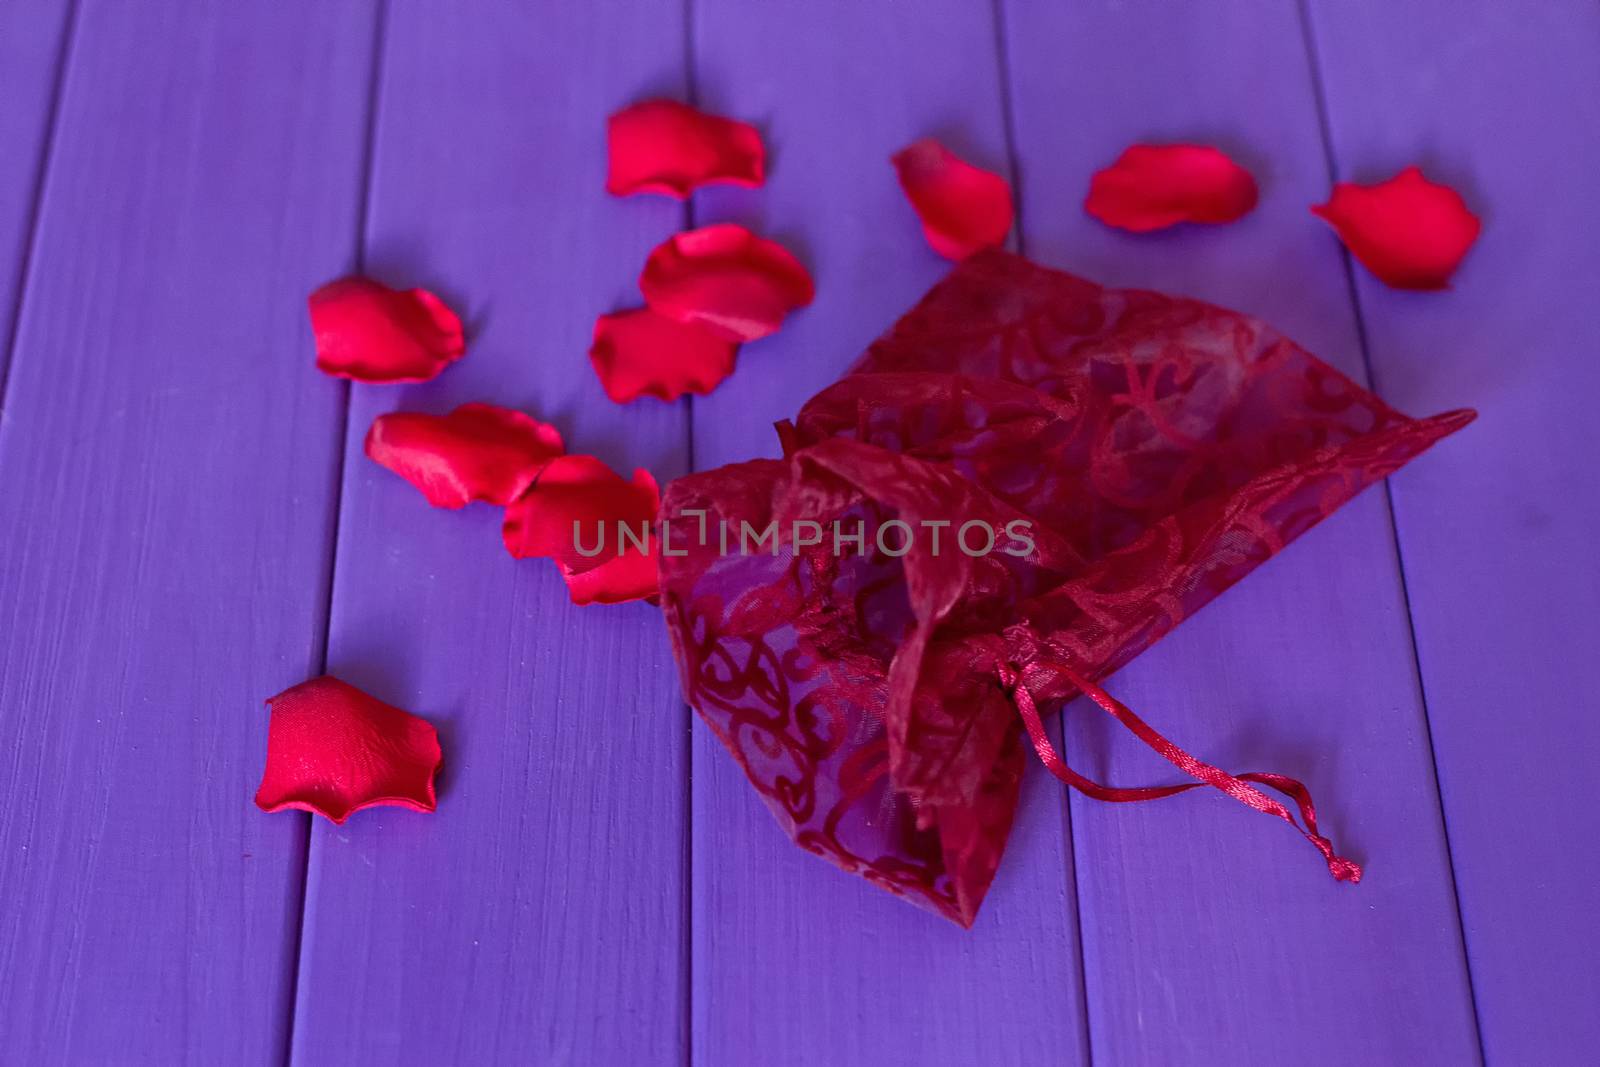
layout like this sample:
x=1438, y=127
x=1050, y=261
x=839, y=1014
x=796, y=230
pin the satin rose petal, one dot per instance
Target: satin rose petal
x=477, y=452
x=1410, y=232
x=333, y=750
x=1151, y=187
x=726, y=279
x=640, y=353
x=662, y=146
x=963, y=208
x=579, y=496
x=371, y=333
x=629, y=577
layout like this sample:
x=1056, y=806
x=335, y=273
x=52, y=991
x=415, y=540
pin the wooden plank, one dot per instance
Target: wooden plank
x=31, y=39
x=536, y=917
x=166, y=464
x=1210, y=933
x=794, y=961
x=1497, y=532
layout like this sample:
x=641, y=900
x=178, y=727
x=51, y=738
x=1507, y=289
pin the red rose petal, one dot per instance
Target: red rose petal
x=372, y=333
x=725, y=278
x=640, y=353
x=662, y=146
x=963, y=208
x=333, y=750
x=1151, y=187
x=581, y=491
x=631, y=576
x=1410, y=232
x=477, y=452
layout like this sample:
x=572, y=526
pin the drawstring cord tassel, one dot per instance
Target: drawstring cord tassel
x=1235, y=786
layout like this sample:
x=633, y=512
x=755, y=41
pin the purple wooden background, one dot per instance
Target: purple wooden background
x=187, y=526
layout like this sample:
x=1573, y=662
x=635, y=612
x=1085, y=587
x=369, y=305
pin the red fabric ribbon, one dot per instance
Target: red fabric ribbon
x=1235, y=786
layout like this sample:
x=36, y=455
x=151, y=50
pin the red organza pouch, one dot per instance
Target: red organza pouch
x=1022, y=485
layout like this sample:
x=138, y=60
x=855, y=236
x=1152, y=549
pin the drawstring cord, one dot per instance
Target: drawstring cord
x=1235, y=786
